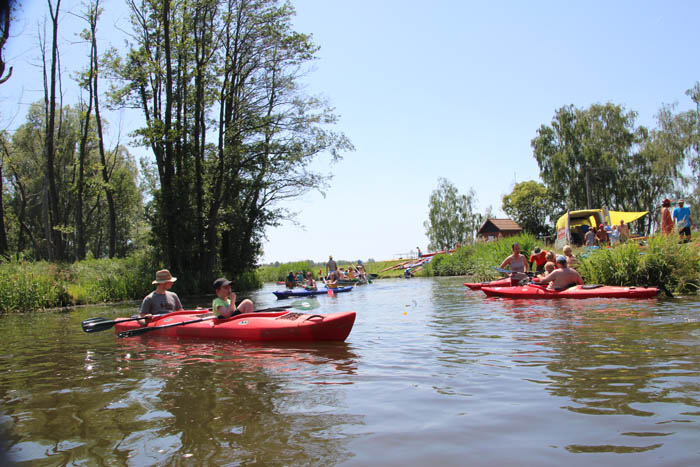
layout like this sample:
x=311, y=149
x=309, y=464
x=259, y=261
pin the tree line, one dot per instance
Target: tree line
x=588, y=158
x=232, y=134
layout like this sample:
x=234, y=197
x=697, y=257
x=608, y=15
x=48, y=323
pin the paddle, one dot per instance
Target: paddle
x=508, y=271
x=299, y=304
x=102, y=324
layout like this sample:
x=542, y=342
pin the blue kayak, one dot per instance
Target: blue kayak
x=306, y=293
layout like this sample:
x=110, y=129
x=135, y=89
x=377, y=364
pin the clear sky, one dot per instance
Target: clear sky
x=453, y=89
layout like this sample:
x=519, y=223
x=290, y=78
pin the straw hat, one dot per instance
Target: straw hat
x=163, y=276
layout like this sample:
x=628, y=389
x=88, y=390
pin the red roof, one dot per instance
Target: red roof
x=502, y=225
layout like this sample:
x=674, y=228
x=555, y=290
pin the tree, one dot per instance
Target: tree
x=230, y=129
x=451, y=217
x=531, y=205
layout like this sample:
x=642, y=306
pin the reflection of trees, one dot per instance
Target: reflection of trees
x=608, y=363
x=70, y=397
x=222, y=403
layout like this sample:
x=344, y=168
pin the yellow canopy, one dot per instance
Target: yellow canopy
x=593, y=217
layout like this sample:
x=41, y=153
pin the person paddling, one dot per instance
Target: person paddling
x=563, y=277
x=161, y=301
x=224, y=305
x=517, y=264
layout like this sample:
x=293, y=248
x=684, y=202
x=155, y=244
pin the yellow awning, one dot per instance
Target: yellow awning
x=590, y=217
x=617, y=216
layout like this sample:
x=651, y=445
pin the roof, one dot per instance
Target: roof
x=503, y=225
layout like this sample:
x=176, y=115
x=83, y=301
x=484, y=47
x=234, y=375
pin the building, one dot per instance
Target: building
x=493, y=229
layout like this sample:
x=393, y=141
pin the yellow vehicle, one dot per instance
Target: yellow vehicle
x=572, y=226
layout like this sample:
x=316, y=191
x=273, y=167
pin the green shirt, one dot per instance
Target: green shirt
x=220, y=302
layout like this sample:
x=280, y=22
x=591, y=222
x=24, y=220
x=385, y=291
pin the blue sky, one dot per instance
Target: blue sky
x=450, y=89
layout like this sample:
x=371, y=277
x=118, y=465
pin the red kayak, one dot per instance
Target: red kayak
x=272, y=326
x=579, y=291
x=506, y=282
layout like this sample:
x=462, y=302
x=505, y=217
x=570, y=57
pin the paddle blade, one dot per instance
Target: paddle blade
x=330, y=292
x=97, y=324
x=305, y=304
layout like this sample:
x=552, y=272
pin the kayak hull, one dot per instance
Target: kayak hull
x=283, y=326
x=306, y=293
x=497, y=283
x=579, y=292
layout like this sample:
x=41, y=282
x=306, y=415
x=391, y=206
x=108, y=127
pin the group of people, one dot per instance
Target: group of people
x=300, y=279
x=162, y=300
x=335, y=274
x=555, y=270
x=680, y=218
x=605, y=235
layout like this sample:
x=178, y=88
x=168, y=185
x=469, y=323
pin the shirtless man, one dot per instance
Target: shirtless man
x=563, y=277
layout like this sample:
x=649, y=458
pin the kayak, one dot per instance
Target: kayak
x=266, y=326
x=579, y=291
x=306, y=293
x=497, y=283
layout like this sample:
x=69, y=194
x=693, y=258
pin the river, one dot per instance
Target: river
x=432, y=374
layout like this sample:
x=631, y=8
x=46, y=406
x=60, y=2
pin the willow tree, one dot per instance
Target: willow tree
x=231, y=132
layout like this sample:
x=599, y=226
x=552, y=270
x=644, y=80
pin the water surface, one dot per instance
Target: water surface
x=431, y=373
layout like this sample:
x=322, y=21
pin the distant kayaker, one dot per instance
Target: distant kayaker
x=331, y=266
x=571, y=260
x=539, y=258
x=291, y=280
x=310, y=283
x=666, y=219
x=161, y=300
x=517, y=263
x=361, y=271
x=224, y=305
x=682, y=217
x=563, y=277
x=332, y=281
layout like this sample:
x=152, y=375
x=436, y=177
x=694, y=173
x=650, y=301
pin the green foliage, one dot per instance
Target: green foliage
x=532, y=206
x=279, y=273
x=477, y=260
x=451, y=217
x=663, y=261
x=26, y=286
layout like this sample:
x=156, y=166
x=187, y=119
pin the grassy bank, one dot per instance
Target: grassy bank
x=659, y=260
x=26, y=286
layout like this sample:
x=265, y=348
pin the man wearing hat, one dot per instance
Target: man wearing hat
x=224, y=305
x=563, y=277
x=539, y=257
x=682, y=217
x=161, y=300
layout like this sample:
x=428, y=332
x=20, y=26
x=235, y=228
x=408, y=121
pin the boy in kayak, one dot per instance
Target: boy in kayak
x=539, y=258
x=563, y=277
x=224, y=305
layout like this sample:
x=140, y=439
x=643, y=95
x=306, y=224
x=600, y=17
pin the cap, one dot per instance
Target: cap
x=537, y=250
x=221, y=282
x=561, y=259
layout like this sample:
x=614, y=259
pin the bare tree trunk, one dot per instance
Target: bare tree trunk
x=106, y=175
x=53, y=235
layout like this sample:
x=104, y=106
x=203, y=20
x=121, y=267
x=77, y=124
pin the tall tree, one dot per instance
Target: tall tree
x=230, y=129
x=452, y=218
x=531, y=205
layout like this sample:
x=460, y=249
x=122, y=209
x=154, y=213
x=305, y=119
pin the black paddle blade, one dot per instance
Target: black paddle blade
x=97, y=324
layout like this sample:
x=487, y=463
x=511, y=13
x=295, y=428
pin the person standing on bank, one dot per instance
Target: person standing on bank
x=161, y=300
x=666, y=219
x=224, y=305
x=682, y=217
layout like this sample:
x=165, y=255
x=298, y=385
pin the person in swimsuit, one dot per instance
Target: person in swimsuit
x=563, y=277
x=517, y=264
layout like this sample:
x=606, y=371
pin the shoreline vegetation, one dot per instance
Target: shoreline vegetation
x=658, y=260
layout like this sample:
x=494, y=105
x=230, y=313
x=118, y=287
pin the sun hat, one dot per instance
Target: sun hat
x=221, y=282
x=163, y=276
x=561, y=259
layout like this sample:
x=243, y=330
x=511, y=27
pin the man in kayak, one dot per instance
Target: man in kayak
x=224, y=305
x=161, y=300
x=563, y=277
x=539, y=258
x=310, y=283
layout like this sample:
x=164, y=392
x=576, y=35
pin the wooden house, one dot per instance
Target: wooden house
x=493, y=229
